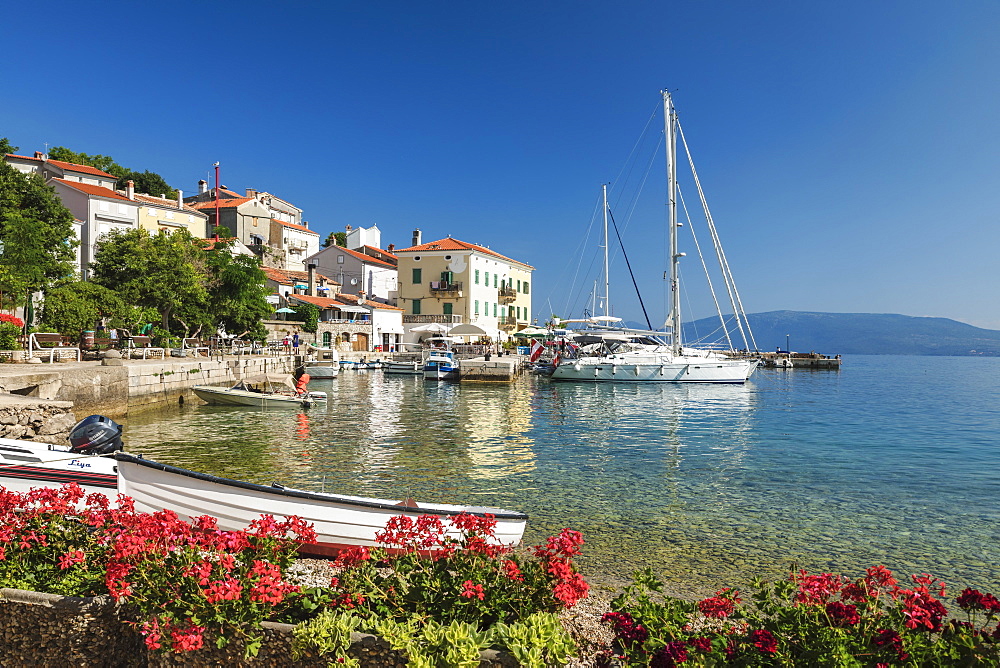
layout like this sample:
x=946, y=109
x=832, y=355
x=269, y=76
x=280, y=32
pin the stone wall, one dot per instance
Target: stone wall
x=35, y=420
x=47, y=630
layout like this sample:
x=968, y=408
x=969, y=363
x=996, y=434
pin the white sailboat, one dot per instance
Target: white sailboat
x=618, y=355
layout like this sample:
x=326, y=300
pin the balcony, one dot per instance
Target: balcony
x=445, y=289
x=453, y=319
x=507, y=322
x=507, y=295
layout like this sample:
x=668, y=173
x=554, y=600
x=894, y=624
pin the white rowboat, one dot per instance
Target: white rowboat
x=340, y=521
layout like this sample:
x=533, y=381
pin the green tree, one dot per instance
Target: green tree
x=335, y=238
x=166, y=272
x=36, y=235
x=238, y=291
x=6, y=147
x=75, y=307
x=308, y=314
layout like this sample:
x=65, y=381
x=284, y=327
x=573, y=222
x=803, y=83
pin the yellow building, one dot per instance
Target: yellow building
x=159, y=214
x=463, y=282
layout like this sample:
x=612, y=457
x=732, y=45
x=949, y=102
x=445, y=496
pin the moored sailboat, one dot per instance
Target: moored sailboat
x=621, y=355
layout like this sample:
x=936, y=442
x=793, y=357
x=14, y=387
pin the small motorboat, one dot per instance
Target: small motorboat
x=271, y=390
x=326, y=364
x=85, y=461
x=340, y=521
x=441, y=365
x=414, y=368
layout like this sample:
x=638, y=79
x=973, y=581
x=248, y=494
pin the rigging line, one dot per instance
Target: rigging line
x=645, y=131
x=629, y=265
x=704, y=266
x=579, y=255
x=734, y=297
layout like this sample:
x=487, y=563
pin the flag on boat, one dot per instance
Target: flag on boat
x=536, y=351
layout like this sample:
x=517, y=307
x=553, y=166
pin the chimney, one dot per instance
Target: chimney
x=312, y=279
x=347, y=228
x=391, y=247
x=130, y=189
x=416, y=238
x=251, y=192
x=180, y=199
x=202, y=187
x=41, y=156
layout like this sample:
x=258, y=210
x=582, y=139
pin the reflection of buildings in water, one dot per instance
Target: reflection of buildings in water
x=497, y=421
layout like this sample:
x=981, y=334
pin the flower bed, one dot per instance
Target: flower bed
x=191, y=588
x=809, y=620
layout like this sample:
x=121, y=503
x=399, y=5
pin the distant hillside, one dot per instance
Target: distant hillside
x=861, y=334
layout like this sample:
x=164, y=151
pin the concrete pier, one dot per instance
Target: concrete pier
x=495, y=370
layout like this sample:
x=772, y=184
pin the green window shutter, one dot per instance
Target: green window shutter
x=494, y=310
x=416, y=277
x=526, y=287
x=477, y=307
x=447, y=308
x=486, y=279
x=416, y=303
x=477, y=277
x=494, y=280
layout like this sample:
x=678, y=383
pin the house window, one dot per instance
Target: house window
x=494, y=310
x=447, y=308
x=519, y=286
x=477, y=277
x=477, y=307
x=340, y=259
x=525, y=286
x=486, y=279
x=416, y=276
x=518, y=312
x=416, y=307
x=326, y=339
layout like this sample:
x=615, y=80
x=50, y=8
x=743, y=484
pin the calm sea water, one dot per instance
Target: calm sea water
x=893, y=460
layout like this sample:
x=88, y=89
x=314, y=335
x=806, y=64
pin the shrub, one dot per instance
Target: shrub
x=815, y=620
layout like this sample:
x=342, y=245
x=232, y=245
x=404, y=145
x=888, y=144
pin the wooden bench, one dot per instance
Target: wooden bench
x=195, y=346
x=137, y=346
x=51, y=343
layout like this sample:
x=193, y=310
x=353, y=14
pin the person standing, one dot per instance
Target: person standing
x=295, y=343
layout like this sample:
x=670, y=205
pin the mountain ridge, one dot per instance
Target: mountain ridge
x=856, y=333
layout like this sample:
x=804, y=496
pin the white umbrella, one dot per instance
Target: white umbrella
x=431, y=327
x=467, y=330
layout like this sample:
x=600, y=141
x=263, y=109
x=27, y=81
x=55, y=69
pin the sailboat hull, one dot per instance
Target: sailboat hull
x=678, y=370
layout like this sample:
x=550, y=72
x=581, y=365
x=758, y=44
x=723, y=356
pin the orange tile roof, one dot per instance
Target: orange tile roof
x=366, y=258
x=455, y=244
x=167, y=202
x=383, y=251
x=322, y=302
x=83, y=169
x=291, y=276
x=96, y=191
x=223, y=203
x=301, y=228
x=354, y=300
x=66, y=166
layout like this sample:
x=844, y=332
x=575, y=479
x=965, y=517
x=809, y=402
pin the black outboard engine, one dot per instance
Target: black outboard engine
x=95, y=435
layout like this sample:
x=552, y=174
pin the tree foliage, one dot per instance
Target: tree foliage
x=308, y=314
x=36, y=235
x=145, y=181
x=193, y=289
x=76, y=307
x=335, y=239
x=238, y=292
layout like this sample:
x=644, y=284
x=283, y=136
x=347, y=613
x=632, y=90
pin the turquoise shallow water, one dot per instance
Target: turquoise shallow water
x=893, y=460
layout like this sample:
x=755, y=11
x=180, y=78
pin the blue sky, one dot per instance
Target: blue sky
x=849, y=151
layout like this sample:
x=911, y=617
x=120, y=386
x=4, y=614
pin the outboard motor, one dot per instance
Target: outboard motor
x=95, y=435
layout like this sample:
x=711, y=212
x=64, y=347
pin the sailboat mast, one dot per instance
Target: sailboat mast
x=670, y=136
x=607, y=282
